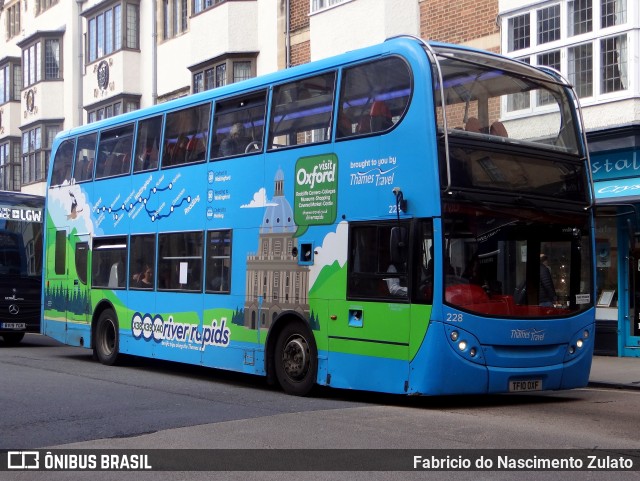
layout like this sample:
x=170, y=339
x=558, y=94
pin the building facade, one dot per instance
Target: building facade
x=595, y=44
x=64, y=63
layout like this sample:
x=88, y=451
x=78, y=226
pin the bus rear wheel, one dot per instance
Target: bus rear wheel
x=107, y=341
x=296, y=359
x=12, y=338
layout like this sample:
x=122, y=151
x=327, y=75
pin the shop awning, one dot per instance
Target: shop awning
x=617, y=191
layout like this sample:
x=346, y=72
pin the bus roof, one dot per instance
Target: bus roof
x=230, y=90
x=19, y=198
x=397, y=44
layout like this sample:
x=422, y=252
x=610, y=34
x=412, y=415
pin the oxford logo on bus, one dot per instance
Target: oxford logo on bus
x=530, y=334
x=173, y=334
x=325, y=172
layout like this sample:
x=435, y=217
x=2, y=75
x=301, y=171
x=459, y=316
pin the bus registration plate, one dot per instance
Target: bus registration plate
x=13, y=325
x=525, y=386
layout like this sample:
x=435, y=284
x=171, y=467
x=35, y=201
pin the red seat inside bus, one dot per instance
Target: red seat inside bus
x=474, y=298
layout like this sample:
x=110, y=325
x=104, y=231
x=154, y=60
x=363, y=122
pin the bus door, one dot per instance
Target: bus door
x=66, y=292
x=78, y=301
x=369, y=330
x=56, y=286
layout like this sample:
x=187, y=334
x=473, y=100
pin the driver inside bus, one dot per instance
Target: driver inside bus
x=394, y=285
x=397, y=251
x=236, y=142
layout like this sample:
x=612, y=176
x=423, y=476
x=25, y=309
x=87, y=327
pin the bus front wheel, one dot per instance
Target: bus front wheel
x=12, y=338
x=107, y=345
x=296, y=359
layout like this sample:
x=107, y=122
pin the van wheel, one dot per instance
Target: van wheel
x=12, y=338
x=107, y=344
x=296, y=359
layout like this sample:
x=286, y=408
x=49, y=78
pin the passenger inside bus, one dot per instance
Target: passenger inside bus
x=144, y=279
x=236, y=142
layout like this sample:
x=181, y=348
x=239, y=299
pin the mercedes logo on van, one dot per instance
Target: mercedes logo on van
x=14, y=309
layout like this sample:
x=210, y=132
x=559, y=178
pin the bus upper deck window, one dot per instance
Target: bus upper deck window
x=85, y=158
x=374, y=97
x=114, y=152
x=239, y=125
x=186, y=136
x=148, y=143
x=302, y=111
x=62, y=163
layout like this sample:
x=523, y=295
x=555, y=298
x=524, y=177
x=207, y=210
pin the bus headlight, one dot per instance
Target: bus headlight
x=464, y=343
x=579, y=342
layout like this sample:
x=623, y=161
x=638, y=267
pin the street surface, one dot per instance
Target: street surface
x=57, y=396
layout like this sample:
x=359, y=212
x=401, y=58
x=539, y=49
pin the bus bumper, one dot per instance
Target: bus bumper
x=438, y=369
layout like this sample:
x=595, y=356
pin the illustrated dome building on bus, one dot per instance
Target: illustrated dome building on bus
x=273, y=272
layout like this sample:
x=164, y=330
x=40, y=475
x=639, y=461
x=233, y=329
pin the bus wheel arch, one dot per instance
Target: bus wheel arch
x=292, y=354
x=105, y=337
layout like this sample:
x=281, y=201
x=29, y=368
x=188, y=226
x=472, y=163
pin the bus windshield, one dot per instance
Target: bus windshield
x=20, y=242
x=486, y=95
x=516, y=262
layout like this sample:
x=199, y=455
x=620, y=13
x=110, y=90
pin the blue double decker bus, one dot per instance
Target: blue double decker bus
x=410, y=218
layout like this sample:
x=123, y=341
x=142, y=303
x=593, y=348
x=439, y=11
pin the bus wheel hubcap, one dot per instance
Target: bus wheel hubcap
x=108, y=338
x=295, y=358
